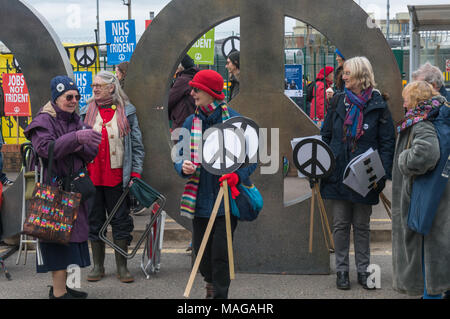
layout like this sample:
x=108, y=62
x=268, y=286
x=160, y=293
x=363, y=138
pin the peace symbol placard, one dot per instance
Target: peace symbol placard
x=251, y=133
x=85, y=56
x=223, y=149
x=313, y=158
x=230, y=44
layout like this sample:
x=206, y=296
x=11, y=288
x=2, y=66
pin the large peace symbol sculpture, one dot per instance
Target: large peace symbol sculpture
x=273, y=242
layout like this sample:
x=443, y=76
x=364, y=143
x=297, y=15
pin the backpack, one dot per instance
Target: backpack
x=428, y=189
x=310, y=91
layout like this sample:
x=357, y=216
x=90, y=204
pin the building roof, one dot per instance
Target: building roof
x=430, y=17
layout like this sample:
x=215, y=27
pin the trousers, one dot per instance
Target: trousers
x=105, y=199
x=214, y=264
x=345, y=215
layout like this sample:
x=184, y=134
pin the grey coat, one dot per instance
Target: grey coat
x=421, y=157
x=133, y=159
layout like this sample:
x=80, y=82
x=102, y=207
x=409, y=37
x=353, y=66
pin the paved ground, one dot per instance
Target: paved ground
x=171, y=281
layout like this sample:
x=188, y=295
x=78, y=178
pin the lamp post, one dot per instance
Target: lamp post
x=128, y=3
x=387, y=21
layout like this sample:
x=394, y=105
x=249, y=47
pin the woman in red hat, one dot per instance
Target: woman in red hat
x=202, y=187
x=320, y=97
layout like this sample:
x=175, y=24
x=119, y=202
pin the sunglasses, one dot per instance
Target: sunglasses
x=196, y=90
x=69, y=97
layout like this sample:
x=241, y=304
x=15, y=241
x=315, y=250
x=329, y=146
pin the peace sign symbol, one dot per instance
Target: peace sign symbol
x=251, y=133
x=230, y=44
x=223, y=149
x=313, y=158
x=85, y=56
x=261, y=97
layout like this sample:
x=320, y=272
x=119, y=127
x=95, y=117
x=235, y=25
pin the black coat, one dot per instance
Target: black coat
x=181, y=103
x=379, y=134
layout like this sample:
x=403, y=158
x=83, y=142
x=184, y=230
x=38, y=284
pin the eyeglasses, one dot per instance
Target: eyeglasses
x=95, y=86
x=69, y=97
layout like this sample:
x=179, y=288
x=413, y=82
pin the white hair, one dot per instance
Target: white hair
x=429, y=73
x=118, y=95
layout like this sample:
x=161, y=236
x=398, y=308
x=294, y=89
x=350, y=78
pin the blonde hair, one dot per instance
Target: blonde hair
x=361, y=69
x=418, y=91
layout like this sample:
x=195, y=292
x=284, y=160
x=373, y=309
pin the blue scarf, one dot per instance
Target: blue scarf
x=353, y=123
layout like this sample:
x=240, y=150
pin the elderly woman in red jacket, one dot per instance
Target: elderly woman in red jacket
x=320, y=97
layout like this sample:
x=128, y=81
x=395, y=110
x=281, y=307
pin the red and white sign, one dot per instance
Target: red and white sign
x=17, y=100
x=447, y=65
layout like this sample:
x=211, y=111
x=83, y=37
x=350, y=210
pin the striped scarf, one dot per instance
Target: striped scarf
x=122, y=121
x=353, y=123
x=189, y=196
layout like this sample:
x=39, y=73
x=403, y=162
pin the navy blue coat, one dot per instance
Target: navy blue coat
x=379, y=134
x=209, y=184
x=443, y=91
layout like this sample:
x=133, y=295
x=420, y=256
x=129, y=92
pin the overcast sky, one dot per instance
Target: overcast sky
x=75, y=20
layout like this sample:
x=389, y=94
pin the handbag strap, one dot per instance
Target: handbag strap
x=51, y=146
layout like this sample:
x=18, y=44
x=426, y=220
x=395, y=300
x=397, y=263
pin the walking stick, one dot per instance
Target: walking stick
x=212, y=218
x=226, y=201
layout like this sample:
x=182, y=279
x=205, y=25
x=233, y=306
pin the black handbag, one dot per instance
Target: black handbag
x=80, y=182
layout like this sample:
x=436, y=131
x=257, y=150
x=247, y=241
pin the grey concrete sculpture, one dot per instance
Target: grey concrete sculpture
x=277, y=242
x=41, y=57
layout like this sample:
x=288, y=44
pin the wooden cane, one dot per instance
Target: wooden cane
x=322, y=221
x=201, y=250
x=226, y=201
x=311, y=221
x=325, y=216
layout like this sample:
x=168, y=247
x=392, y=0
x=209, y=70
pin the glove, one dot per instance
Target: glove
x=89, y=137
x=232, y=180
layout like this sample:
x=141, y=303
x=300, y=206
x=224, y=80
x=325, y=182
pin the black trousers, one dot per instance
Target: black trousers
x=104, y=202
x=214, y=264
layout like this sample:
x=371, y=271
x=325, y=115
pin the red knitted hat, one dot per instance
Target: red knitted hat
x=209, y=81
x=328, y=70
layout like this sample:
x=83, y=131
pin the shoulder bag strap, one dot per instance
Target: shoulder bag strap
x=51, y=146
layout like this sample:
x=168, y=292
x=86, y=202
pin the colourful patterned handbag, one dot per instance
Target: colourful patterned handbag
x=51, y=212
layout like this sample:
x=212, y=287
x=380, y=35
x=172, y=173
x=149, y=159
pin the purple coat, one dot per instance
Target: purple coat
x=53, y=124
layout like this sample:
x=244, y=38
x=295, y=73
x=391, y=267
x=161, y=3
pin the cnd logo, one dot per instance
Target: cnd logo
x=374, y=279
x=73, y=276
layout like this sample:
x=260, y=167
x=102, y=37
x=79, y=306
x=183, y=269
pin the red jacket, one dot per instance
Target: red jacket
x=319, y=101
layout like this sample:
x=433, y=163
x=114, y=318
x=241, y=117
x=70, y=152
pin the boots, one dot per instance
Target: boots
x=209, y=291
x=98, y=257
x=121, y=262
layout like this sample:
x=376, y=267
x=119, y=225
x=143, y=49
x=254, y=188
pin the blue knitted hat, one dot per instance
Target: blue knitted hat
x=340, y=54
x=60, y=84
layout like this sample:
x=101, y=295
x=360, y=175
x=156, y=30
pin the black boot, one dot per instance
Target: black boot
x=342, y=280
x=209, y=291
x=362, y=280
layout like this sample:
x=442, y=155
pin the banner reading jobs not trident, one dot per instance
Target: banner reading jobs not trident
x=17, y=101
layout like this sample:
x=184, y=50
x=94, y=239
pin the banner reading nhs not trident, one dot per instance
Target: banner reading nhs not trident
x=121, y=36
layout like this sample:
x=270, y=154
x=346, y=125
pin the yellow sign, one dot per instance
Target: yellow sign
x=83, y=56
